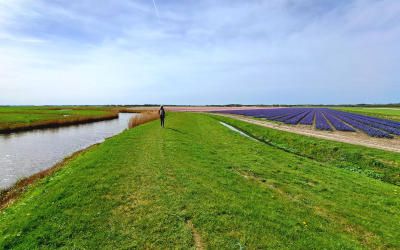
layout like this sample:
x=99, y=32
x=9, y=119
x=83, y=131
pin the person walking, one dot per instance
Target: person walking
x=162, y=115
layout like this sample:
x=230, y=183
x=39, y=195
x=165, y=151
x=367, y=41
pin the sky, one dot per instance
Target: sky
x=199, y=52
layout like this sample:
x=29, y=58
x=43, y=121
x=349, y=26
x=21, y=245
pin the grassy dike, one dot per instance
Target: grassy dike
x=197, y=183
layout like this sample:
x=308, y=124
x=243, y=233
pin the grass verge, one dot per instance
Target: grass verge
x=375, y=163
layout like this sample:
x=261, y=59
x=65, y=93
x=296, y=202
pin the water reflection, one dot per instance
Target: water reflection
x=25, y=153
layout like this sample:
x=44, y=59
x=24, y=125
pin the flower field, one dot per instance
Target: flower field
x=326, y=119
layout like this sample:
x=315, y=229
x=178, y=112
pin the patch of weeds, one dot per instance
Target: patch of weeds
x=377, y=163
x=366, y=172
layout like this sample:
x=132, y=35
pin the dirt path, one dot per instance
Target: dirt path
x=196, y=236
x=357, y=138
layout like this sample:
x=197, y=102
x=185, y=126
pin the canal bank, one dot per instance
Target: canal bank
x=25, y=118
x=8, y=195
x=26, y=153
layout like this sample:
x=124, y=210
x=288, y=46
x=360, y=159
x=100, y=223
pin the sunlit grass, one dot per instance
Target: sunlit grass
x=198, y=181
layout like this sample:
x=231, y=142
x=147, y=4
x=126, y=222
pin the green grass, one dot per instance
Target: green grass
x=30, y=116
x=375, y=163
x=385, y=113
x=141, y=188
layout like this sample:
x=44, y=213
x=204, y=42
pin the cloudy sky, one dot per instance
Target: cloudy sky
x=199, y=51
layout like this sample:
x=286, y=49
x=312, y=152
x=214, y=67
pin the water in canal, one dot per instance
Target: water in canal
x=25, y=153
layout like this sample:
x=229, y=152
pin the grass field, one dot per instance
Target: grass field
x=199, y=184
x=381, y=112
x=375, y=163
x=20, y=118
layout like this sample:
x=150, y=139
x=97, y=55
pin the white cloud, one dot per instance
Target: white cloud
x=199, y=52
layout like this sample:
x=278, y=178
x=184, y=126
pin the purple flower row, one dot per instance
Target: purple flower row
x=326, y=119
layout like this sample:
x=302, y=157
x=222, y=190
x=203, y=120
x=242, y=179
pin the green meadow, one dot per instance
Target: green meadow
x=391, y=113
x=198, y=184
x=14, y=118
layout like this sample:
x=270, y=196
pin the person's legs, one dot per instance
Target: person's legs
x=163, y=122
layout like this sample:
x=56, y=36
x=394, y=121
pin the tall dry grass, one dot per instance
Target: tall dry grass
x=143, y=118
x=73, y=120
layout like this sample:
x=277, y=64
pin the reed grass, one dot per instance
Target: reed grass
x=136, y=110
x=65, y=121
x=143, y=118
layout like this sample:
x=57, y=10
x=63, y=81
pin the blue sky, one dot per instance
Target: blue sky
x=199, y=52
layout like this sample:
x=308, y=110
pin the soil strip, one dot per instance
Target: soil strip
x=356, y=138
x=196, y=236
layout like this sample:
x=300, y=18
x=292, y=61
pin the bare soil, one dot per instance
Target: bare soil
x=358, y=138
